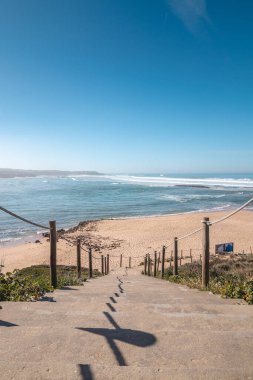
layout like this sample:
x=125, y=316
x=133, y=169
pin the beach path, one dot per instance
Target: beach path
x=126, y=325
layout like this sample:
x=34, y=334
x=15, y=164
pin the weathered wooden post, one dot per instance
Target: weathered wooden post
x=90, y=263
x=175, y=258
x=53, y=239
x=102, y=264
x=120, y=263
x=129, y=262
x=105, y=266
x=191, y=254
x=171, y=259
x=163, y=260
x=155, y=264
x=149, y=264
x=108, y=264
x=158, y=261
x=205, y=258
x=78, y=258
x=145, y=265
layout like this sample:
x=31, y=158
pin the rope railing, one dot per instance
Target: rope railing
x=23, y=219
x=189, y=234
x=72, y=244
x=83, y=249
x=232, y=213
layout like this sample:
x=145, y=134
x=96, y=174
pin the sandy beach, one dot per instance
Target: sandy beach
x=133, y=238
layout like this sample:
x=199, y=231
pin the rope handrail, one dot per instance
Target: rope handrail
x=190, y=234
x=168, y=245
x=23, y=219
x=232, y=213
x=85, y=250
x=96, y=258
x=68, y=241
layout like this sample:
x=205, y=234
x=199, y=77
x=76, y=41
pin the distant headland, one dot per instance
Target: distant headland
x=12, y=173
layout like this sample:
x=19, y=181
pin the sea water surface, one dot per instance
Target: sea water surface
x=69, y=200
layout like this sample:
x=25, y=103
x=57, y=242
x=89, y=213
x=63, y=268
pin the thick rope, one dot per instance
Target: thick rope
x=68, y=241
x=190, y=234
x=232, y=213
x=85, y=250
x=23, y=219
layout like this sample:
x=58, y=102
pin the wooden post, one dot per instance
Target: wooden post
x=90, y=263
x=171, y=260
x=205, y=258
x=102, y=264
x=108, y=263
x=120, y=263
x=175, y=259
x=155, y=263
x=145, y=264
x=163, y=260
x=105, y=266
x=78, y=258
x=129, y=262
x=53, y=239
x=149, y=264
x=191, y=254
x=158, y=261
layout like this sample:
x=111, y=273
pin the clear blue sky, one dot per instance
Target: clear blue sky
x=127, y=85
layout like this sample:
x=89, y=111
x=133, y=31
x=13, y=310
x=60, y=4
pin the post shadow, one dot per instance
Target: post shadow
x=85, y=372
x=134, y=337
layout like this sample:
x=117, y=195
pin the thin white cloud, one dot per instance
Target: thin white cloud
x=192, y=13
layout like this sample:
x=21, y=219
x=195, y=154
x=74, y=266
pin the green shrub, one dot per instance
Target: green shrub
x=32, y=283
x=230, y=277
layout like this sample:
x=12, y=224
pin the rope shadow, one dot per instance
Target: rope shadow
x=7, y=324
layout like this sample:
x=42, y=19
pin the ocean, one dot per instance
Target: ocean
x=72, y=199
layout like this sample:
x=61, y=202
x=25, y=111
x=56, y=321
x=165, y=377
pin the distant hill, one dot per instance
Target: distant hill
x=12, y=173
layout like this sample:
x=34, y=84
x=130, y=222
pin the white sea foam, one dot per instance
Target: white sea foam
x=173, y=181
x=185, y=198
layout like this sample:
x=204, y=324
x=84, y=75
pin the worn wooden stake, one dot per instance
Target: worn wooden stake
x=120, y=263
x=129, y=262
x=78, y=258
x=145, y=265
x=90, y=263
x=149, y=265
x=191, y=254
x=108, y=263
x=155, y=263
x=102, y=264
x=175, y=259
x=163, y=260
x=205, y=258
x=158, y=261
x=53, y=239
x=105, y=266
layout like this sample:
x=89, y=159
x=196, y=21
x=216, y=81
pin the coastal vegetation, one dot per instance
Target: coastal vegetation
x=12, y=173
x=230, y=277
x=33, y=282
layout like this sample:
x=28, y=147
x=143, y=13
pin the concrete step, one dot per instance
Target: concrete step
x=80, y=371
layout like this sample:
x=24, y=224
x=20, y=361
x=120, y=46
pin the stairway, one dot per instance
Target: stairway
x=123, y=326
